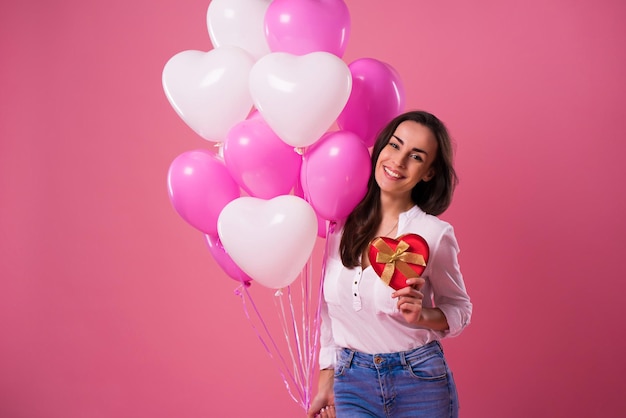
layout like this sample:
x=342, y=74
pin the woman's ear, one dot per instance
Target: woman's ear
x=429, y=175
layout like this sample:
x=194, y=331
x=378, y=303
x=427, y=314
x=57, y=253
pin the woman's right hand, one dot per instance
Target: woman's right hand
x=323, y=405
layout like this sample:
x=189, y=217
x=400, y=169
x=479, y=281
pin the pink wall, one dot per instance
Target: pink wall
x=110, y=305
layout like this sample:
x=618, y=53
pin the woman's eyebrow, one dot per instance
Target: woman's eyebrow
x=414, y=149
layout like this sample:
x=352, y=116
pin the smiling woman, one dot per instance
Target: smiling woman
x=111, y=305
x=376, y=334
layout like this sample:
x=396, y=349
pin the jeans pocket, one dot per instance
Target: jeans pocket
x=431, y=368
x=343, y=362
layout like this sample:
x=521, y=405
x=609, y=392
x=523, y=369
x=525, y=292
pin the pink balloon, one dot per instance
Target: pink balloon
x=334, y=175
x=377, y=97
x=300, y=27
x=224, y=261
x=259, y=161
x=199, y=187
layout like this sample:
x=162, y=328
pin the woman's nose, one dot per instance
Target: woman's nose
x=400, y=160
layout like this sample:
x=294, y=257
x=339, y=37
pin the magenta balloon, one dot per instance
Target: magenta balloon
x=224, y=261
x=259, y=161
x=334, y=176
x=199, y=187
x=377, y=96
x=300, y=27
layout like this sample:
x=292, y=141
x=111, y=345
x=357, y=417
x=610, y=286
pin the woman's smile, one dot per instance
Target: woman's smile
x=392, y=173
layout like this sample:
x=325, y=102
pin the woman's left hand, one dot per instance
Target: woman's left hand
x=410, y=300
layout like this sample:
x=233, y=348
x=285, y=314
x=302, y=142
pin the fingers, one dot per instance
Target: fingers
x=413, y=284
x=327, y=412
x=410, y=306
x=322, y=407
x=409, y=303
x=409, y=300
x=416, y=282
x=408, y=292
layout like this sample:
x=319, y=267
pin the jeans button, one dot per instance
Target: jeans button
x=378, y=359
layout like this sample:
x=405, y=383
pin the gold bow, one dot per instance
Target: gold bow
x=397, y=259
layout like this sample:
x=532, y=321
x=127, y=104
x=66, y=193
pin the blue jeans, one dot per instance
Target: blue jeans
x=416, y=383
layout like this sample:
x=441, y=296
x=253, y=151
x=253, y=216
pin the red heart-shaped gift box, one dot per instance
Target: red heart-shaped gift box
x=395, y=260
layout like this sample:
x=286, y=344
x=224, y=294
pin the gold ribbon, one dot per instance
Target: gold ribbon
x=397, y=259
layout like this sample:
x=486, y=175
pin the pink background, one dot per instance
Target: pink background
x=111, y=306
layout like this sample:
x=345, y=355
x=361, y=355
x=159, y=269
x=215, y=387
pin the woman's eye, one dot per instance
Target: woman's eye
x=417, y=157
x=394, y=145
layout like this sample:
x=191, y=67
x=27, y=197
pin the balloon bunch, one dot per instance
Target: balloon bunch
x=268, y=94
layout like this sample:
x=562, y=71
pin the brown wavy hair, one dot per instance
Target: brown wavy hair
x=433, y=196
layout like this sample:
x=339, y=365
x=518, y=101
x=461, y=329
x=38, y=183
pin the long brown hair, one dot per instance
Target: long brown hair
x=433, y=196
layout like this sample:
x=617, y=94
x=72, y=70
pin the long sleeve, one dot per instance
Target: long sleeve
x=328, y=348
x=448, y=286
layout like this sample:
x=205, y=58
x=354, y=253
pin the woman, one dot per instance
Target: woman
x=380, y=353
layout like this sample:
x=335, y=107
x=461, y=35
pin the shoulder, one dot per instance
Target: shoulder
x=430, y=227
x=417, y=218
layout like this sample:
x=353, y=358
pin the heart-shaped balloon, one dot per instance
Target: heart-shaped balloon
x=396, y=260
x=239, y=23
x=209, y=90
x=300, y=96
x=270, y=240
x=262, y=164
x=303, y=26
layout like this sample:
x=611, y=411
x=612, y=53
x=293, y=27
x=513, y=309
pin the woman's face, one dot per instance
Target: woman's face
x=406, y=160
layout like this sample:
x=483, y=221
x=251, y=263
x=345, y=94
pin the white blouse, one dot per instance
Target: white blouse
x=358, y=311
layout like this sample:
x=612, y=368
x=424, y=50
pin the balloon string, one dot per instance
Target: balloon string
x=281, y=365
x=306, y=331
x=278, y=302
x=296, y=367
x=268, y=350
x=296, y=334
x=320, y=293
x=311, y=352
x=305, y=317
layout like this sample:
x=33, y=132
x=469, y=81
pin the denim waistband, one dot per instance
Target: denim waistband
x=351, y=357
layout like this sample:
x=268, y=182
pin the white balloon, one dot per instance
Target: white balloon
x=209, y=90
x=270, y=240
x=239, y=23
x=300, y=96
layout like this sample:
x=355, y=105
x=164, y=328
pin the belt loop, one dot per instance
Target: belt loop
x=350, y=358
x=403, y=358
